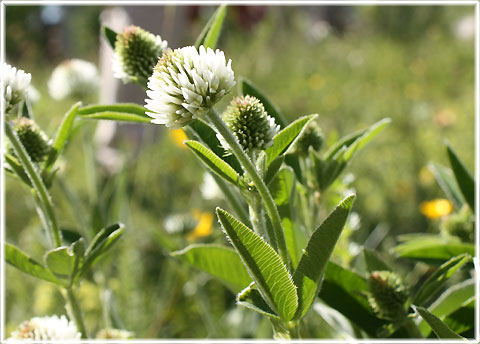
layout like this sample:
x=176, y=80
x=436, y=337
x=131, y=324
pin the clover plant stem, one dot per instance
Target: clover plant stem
x=76, y=312
x=278, y=240
x=257, y=219
x=413, y=329
x=37, y=183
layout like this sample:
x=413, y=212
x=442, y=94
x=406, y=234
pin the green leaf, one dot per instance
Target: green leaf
x=264, y=266
x=461, y=321
x=101, y=243
x=431, y=249
x=251, y=298
x=437, y=280
x=26, y=264
x=62, y=135
x=343, y=290
x=368, y=135
x=211, y=31
x=17, y=169
x=374, y=262
x=438, y=326
x=248, y=88
x=446, y=180
x=273, y=168
x=285, y=137
x=212, y=161
x=315, y=257
x=452, y=299
x=126, y=112
x=110, y=35
x=202, y=132
x=464, y=178
x=61, y=261
x=219, y=261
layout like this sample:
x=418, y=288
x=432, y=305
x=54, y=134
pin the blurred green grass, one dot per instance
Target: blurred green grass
x=423, y=78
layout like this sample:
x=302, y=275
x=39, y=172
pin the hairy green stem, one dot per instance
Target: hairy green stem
x=257, y=218
x=76, y=313
x=37, y=183
x=278, y=239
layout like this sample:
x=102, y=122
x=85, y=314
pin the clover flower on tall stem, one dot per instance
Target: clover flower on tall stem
x=15, y=84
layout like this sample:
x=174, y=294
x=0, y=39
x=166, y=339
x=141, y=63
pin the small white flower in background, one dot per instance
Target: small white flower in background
x=15, y=84
x=186, y=83
x=136, y=53
x=46, y=328
x=209, y=188
x=32, y=94
x=465, y=28
x=74, y=78
x=113, y=333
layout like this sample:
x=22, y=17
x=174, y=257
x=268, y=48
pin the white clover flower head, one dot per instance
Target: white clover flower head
x=250, y=123
x=46, y=328
x=136, y=53
x=186, y=83
x=74, y=78
x=15, y=84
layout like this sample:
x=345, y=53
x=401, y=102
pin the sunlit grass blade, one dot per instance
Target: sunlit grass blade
x=286, y=136
x=438, y=326
x=446, y=180
x=464, y=178
x=219, y=261
x=264, y=266
x=438, y=279
x=116, y=112
x=248, y=88
x=366, y=137
x=211, y=32
x=314, y=260
x=214, y=162
x=26, y=264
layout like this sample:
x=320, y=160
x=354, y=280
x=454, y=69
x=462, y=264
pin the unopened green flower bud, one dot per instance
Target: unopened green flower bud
x=33, y=139
x=387, y=294
x=250, y=123
x=311, y=136
x=136, y=53
x=460, y=224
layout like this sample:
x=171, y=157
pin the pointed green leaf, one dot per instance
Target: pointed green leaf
x=219, y=261
x=251, y=298
x=110, y=35
x=366, y=137
x=273, y=169
x=17, y=169
x=343, y=290
x=212, y=161
x=286, y=136
x=374, y=262
x=452, y=299
x=101, y=243
x=464, y=178
x=314, y=260
x=438, y=326
x=446, y=180
x=211, y=31
x=201, y=132
x=461, y=322
x=60, y=261
x=24, y=263
x=264, y=266
x=248, y=88
x=126, y=112
x=437, y=280
x=62, y=135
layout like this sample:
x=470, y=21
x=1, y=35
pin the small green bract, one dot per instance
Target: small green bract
x=387, y=294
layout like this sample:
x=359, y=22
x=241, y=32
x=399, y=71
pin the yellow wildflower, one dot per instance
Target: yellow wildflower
x=178, y=136
x=204, y=226
x=436, y=208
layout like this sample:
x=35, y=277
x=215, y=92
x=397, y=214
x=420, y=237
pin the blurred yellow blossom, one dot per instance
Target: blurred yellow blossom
x=178, y=136
x=204, y=226
x=436, y=208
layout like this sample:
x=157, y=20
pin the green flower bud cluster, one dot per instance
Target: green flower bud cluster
x=136, y=53
x=311, y=136
x=460, y=224
x=34, y=140
x=387, y=294
x=250, y=123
